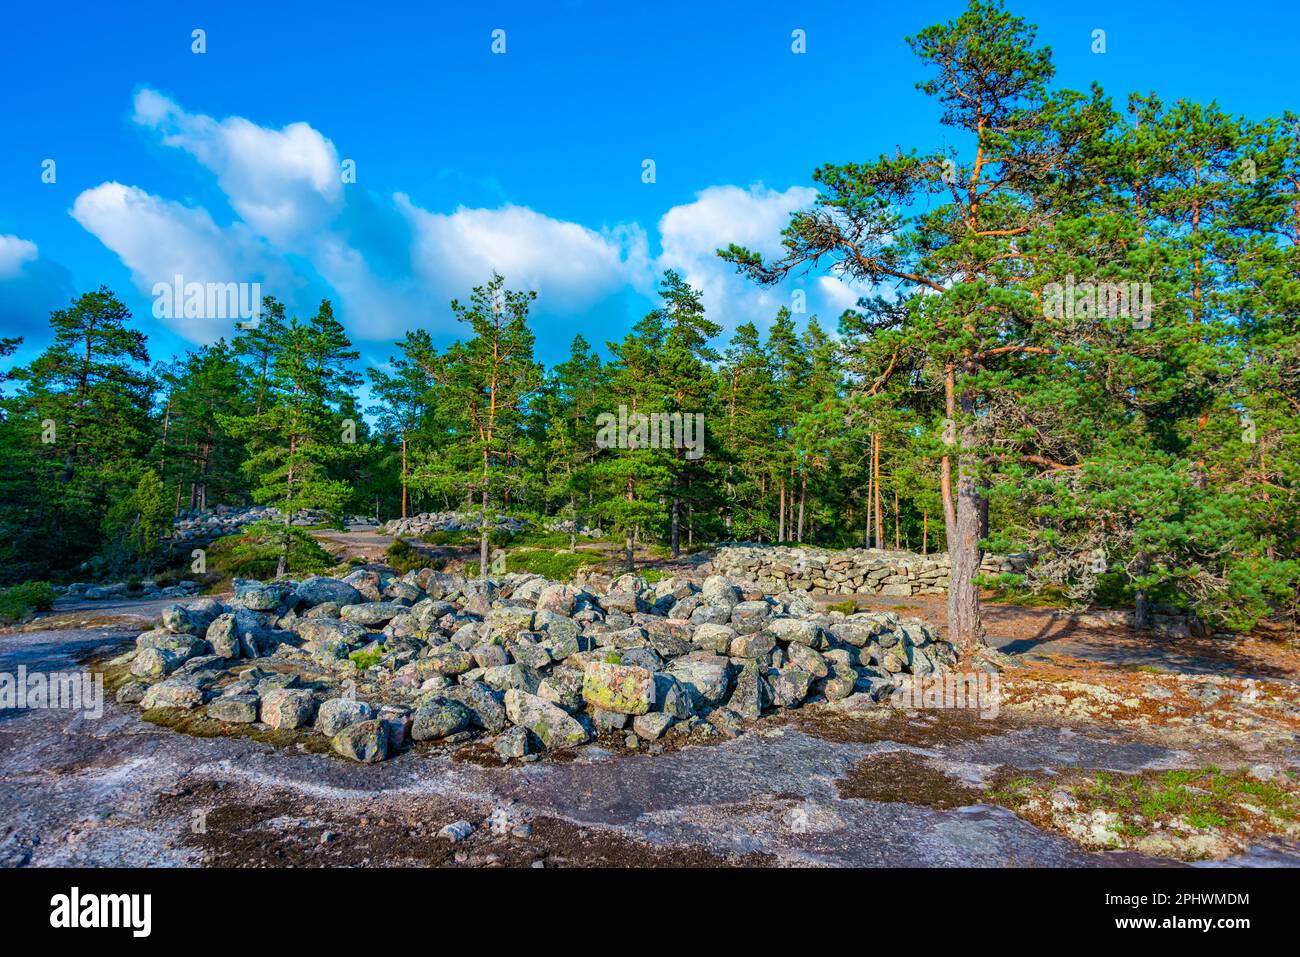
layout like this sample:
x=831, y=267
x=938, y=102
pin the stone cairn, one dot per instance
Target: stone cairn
x=427, y=522
x=213, y=523
x=775, y=569
x=375, y=660
x=570, y=527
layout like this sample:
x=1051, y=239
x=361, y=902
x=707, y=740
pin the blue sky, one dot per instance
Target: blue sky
x=224, y=166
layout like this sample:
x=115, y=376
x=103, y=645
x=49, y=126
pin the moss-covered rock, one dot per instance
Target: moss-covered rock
x=623, y=689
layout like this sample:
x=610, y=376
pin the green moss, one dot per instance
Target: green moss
x=198, y=724
x=366, y=659
x=845, y=607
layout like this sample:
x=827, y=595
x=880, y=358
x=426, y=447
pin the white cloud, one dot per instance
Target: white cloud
x=381, y=307
x=838, y=294
x=569, y=265
x=14, y=253
x=158, y=239
x=284, y=183
x=691, y=235
x=392, y=265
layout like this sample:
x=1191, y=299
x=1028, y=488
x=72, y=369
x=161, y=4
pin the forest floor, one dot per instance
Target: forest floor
x=1095, y=723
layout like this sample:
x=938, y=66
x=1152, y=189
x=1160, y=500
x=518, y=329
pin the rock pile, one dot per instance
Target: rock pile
x=374, y=660
x=570, y=527
x=228, y=520
x=427, y=522
x=775, y=569
x=146, y=589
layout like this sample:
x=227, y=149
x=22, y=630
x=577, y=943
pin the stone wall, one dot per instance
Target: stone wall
x=776, y=569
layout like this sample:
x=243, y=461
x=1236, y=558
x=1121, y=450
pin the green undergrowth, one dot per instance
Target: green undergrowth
x=1206, y=799
x=20, y=602
x=558, y=566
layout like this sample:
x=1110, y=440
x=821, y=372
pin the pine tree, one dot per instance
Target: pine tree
x=960, y=264
x=568, y=416
x=79, y=425
x=405, y=397
x=300, y=434
x=487, y=382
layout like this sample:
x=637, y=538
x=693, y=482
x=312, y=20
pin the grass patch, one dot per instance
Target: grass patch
x=541, y=538
x=1208, y=799
x=20, y=602
x=653, y=575
x=845, y=607
x=557, y=566
x=449, y=538
x=1051, y=596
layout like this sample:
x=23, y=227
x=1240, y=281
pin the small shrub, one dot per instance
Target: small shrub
x=256, y=553
x=404, y=557
x=22, y=601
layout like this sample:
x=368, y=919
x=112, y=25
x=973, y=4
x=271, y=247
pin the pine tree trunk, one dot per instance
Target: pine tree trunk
x=965, y=630
x=871, y=493
x=897, y=544
x=403, y=474
x=875, y=466
x=803, y=496
x=483, y=539
x=676, y=527
x=631, y=565
x=1142, y=600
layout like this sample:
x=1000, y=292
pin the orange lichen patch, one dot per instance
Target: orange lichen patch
x=76, y=620
x=1068, y=687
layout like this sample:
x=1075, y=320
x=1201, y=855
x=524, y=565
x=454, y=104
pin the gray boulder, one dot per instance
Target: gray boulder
x=372, y=614
x=549, y=723
x=365, y=741
x=319, y=591
x=706, y=676
x=287, y=708
x=184, y=693
x=338, y=713
x=439, y=717
x=234, y=708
